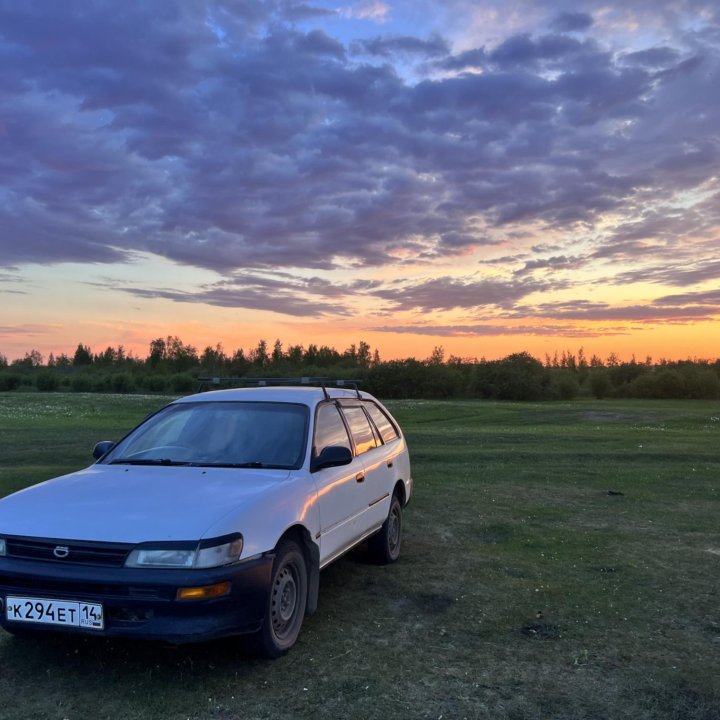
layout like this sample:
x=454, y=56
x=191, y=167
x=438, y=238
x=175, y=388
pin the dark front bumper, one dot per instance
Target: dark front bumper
x=140, y=602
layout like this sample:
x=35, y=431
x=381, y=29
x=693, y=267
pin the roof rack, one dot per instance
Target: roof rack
x=264, y=382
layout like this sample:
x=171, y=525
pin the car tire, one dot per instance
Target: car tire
x=286, y=602
x=385, y=545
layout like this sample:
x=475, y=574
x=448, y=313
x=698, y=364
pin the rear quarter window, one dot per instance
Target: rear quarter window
x=387, y=430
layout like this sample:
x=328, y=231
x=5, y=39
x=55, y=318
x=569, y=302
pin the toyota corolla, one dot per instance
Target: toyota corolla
x=213, y=517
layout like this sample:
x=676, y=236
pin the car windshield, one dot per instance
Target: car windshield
x=218, y=434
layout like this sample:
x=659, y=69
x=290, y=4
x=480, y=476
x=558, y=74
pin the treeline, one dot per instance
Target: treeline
x=172, y=366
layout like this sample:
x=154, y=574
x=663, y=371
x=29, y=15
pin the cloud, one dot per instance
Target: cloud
x=403, y=45
x=572, y=21
x=585, y=311
x=500, y=330
x=446, y=293
x=251, y=136
x=26, y=330
x=653, y=57
x=297, y=12
x=370, y=10
x=283, y=293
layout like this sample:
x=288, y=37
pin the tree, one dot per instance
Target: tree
x=259, y=356
x=295, y=356
x=62, y=361
x=437, y=357
x=213, y=358
x=106, y=358
x=277, y=353
x=157, y=352
x=82, y=356
x=33, y=359
x=363, y=354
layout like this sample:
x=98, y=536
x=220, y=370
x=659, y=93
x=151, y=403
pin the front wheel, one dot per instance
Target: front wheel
x=287, y=598
x=385, y=546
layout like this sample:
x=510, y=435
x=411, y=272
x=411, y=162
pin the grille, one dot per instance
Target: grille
x=78, y=553
x=62, y=588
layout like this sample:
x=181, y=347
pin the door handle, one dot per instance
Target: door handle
x=389, y=463
x=360, y=477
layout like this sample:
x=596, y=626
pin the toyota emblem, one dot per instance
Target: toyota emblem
x=61, y=551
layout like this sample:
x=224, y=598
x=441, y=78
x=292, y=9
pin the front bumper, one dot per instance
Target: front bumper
x=141, y=602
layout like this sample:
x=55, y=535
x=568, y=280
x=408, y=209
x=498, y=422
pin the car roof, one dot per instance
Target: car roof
x=291, y=394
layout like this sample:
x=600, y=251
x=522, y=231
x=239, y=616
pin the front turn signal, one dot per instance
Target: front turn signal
x=204, y=592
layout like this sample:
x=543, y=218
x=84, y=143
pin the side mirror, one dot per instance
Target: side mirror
x=102, y=447
x=332, y=456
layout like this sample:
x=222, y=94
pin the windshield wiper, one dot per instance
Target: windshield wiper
x=149, y=461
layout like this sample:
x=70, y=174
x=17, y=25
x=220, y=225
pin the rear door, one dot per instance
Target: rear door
x=341, y=496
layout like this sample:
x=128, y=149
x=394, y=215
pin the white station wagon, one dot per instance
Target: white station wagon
x=212, y=517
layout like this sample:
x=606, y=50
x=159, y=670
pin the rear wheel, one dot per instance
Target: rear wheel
x=286, y=602
x=385, y=546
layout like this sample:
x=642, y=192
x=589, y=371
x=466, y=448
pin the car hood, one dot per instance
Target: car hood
x=126, y=503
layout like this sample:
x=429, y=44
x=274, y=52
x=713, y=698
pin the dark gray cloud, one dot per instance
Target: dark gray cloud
x=388, y=47
x=297, y=12
x=446, y=293
x=572, y=21
x=282, y=293
x=250, y=135
x=583, y=310
x=709, y=297
x=653, y=57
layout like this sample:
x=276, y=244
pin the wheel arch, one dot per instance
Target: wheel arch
x=301, y=535
x=401, y=492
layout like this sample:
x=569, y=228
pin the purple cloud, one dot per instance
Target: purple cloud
x=252, y=136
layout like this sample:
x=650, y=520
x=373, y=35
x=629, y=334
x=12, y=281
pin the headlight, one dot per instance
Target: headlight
x=161, y=557
x=222, y=551
x=2, y=547
x=205, y=554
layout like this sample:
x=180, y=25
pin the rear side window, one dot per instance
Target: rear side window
x=382, y=422
x=330, y=429
x=360, y=428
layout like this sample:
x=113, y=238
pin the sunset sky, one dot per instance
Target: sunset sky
x=492, y=177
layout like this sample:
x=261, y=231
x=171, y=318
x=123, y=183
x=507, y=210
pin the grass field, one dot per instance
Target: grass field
x=560, y=560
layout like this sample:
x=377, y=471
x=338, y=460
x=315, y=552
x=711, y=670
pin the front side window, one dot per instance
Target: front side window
x=218, y=434
x=330, y=429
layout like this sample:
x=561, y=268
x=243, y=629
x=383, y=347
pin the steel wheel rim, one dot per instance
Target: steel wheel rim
x=284, y=604
x=394, y=526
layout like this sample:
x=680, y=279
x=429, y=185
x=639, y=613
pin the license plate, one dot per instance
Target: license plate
x=46, y=611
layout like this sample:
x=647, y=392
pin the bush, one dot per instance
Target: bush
x=708, y=385
x=121, y=383
x=599, y=382
x=81, y=383
x=182, y=383
x=516, y=377
x=155, y=383
x=10, y=381
x=47, y=382
x=665, y=384
x=564, y=385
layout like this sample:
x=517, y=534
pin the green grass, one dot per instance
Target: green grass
x=525, y=589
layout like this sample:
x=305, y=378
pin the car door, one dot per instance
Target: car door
x=369, y=449
x=380, y=464
x=340, y=494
